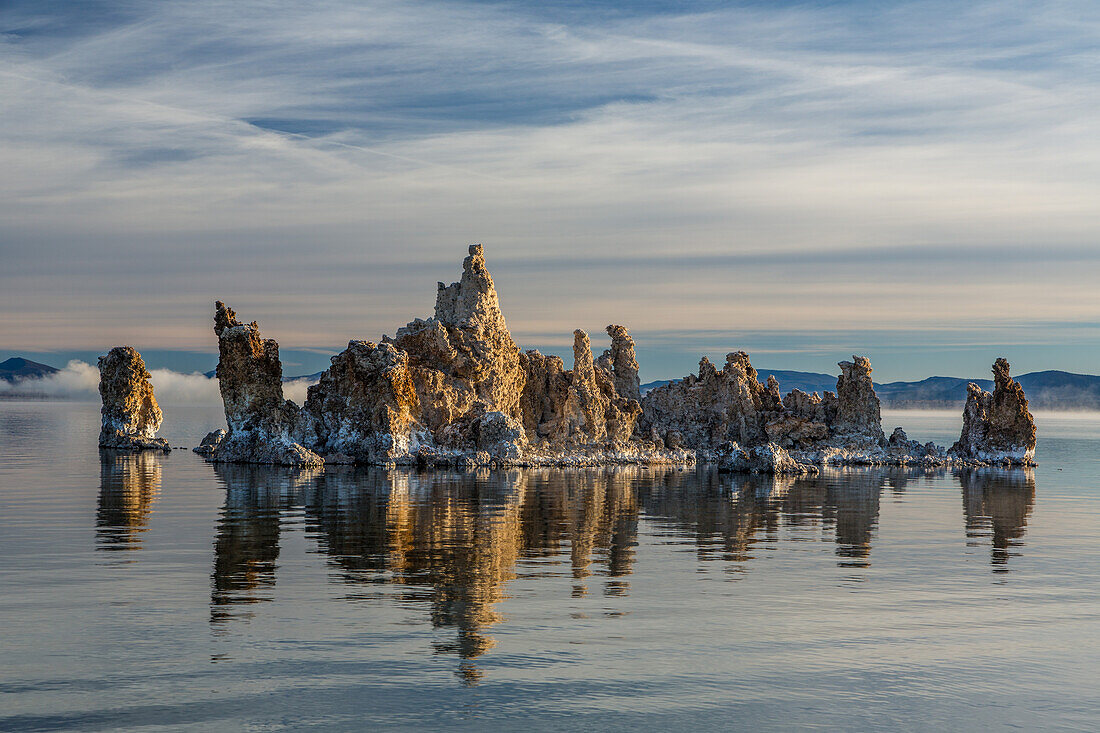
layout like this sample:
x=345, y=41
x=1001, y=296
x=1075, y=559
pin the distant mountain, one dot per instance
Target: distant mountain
x=17, y=368
x=315, y=377
x=930, y=393
x=1049, y=390
x=808, y=382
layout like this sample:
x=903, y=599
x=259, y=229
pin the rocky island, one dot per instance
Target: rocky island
x=456, y=390
x=131, y=415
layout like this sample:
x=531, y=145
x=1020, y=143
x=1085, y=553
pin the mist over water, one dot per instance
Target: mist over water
x=79, y=380
x=161, y=592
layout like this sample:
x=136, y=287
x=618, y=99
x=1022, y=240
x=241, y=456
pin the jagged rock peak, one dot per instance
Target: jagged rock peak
x=250, y=379
x=584, y=368
x=623, y=363
x=131, y=415
x=250, y=374
x=463, y=360
x=739, y=361
x=858, y=407
x=714, y=408
x=472, y=301
x=997, y=426
x=225, y=317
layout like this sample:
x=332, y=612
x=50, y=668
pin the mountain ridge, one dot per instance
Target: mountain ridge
x=1051, y=389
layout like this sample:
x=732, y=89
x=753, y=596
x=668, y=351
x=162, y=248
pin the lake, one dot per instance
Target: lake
x=159, y=592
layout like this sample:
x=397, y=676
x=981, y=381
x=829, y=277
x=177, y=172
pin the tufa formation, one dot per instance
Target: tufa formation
x=456, y=390
x=131, y=415
x=250, y=379
x=997, y=427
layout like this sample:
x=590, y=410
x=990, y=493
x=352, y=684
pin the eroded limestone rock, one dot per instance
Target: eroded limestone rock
x=997, y=426
x=250, y=378
x=858, y=413
x=456, y=390
x=463, y=361
x=581, y=406
x=622, y=364
x=365, y=407
x=768, y=458
x=131, y=415
x=212, y=440
x=715, y=407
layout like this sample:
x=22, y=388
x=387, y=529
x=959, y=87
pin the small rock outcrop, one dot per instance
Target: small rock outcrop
x=212, y=440
x=767, y=459
x=858, y=413
x=715, y=407
x=582, y=406
x=365, y=408
x=997, y=427
x=131, y=415
x=250, y=379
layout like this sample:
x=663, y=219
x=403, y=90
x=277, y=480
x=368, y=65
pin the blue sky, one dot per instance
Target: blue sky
x=918, y=182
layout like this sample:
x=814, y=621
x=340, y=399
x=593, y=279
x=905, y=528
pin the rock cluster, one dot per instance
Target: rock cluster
x=581, y=406
x=451, y=389
x=997, y=427
x=131, y=415
x=455, y=389
x=729, y=417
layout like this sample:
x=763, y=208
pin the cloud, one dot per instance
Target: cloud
x=79, y=380
x=793, y=168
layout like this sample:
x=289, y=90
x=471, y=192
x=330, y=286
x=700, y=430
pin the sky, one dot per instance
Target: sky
x=916, y=182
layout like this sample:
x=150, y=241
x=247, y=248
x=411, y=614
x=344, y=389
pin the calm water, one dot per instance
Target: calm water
x=159, y=592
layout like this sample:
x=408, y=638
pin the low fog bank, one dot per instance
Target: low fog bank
x=79, y=380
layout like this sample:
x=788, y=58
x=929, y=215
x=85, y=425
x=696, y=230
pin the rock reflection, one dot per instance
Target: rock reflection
x=451, y=541
x=128, y=487
x=997, y=503
x=455, y=538
x=853, y=499
x=741, y=512
x=246, y=547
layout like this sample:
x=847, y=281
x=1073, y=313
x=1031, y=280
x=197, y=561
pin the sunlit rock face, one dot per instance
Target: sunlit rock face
x=621, y=363
x=997, y=426
x=131, y=415
x=451, y=390
x=456, y=390
x=730, y=418
x=250, y=378
x=365, y=408
x=581, y=407
x=715, y=407
x=463, y=361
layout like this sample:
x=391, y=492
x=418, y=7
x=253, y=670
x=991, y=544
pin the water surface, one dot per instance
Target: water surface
x=160, y=592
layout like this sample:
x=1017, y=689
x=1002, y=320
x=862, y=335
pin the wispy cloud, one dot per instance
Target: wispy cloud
x=847, y=166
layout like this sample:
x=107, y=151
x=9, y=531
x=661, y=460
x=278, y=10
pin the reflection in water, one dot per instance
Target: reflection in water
x=450, y=542
x=459, y=536
x=247, y=543
x=734, y=514
x=854, y=502
x=128, y=488
x=997, y=503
